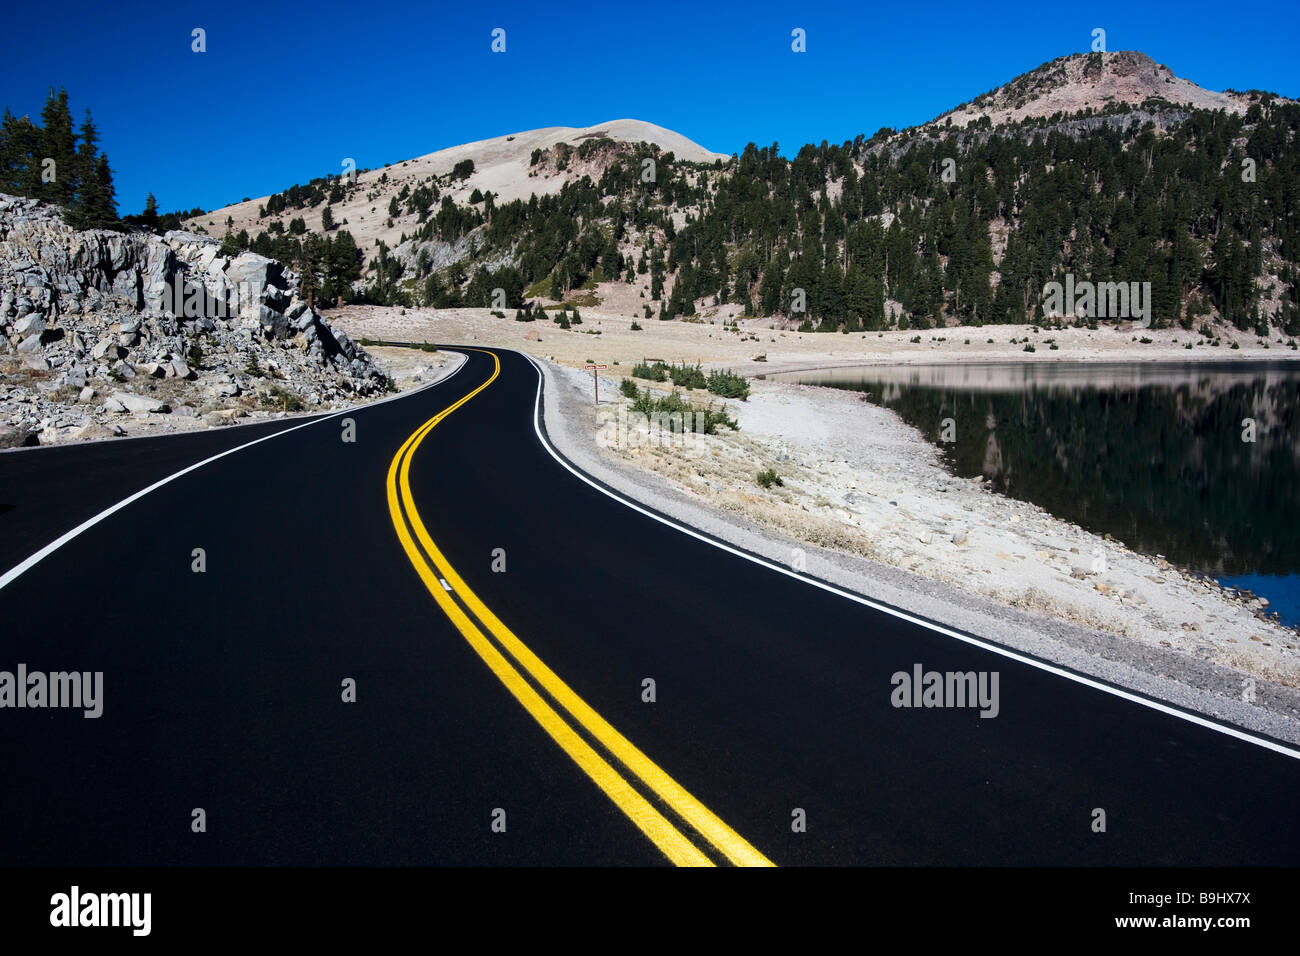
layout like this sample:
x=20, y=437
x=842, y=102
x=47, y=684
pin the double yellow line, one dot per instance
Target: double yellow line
x=433, y=568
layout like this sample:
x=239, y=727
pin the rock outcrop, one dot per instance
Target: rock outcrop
x=99, y=324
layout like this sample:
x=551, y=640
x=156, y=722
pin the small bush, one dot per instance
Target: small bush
x=277, y=395
x=1029, y=347
x=658, y=372
x=769, y=478
x=704, y=421
x=688, y=376
x=729, y=385
x=628, y=388
x=636, y=327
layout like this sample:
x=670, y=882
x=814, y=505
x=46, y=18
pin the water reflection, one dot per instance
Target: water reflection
x=1152, y=454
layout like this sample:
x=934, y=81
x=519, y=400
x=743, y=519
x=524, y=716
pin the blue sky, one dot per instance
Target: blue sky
x=285, y=91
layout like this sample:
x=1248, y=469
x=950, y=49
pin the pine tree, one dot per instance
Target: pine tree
x=58, y=144
x=150, y=215
x=97, y=206
x=20, y=145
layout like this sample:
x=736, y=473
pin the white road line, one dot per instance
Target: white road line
x=902, y=615
x=59, y=542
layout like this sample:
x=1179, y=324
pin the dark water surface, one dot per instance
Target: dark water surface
x=1152, y=454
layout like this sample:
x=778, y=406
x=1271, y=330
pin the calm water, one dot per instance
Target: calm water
x=1152, y=454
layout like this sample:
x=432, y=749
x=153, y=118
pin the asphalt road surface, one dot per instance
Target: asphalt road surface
x=499, y=618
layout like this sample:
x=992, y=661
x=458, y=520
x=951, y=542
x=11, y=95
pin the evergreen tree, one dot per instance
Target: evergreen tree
x=58, y=143
x=150, y=215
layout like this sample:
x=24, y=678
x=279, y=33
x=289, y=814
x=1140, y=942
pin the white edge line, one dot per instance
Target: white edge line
x=9, y=576
x=929, y=625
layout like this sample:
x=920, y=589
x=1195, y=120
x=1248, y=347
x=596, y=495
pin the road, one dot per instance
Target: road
x=500, y=714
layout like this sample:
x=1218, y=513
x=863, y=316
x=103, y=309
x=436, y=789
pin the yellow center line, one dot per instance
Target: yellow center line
x=721, y=836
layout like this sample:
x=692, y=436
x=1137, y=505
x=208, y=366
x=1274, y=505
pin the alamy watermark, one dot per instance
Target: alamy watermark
x=61, y=689
x=622, y=428
x=922, y=688
x=194, y=300
x=1102, y=300
x=76, y=908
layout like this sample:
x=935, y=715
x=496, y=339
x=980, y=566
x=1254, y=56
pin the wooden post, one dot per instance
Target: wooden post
x=595, y=378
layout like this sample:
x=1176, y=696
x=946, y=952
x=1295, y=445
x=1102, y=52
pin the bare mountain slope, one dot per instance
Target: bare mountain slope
x=501, y=165
x=1077, y=82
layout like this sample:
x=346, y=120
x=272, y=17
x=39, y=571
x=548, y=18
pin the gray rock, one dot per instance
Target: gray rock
x=75, y=376
x=87, y=394
x=31, y=344
x=15, y=436
x=137, y=403
x=33, y=324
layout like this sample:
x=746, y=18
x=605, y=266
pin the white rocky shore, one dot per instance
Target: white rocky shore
x=106, y=333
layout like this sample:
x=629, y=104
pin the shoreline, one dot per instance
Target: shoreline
x=1175, y=674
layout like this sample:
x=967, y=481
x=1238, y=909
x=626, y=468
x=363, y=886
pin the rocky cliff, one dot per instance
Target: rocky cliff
x=102, y=332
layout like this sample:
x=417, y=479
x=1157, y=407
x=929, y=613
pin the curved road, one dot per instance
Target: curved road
x=490, y=698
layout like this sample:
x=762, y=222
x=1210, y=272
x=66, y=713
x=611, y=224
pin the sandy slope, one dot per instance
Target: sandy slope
x=501, y=165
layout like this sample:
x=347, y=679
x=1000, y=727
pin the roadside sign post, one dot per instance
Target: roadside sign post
x=595, y=378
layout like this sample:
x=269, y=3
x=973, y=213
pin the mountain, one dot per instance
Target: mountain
x=503, y=166
x=1098, y=82
x=1102, y=168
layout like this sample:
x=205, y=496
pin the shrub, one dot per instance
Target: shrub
x=286, y=399
x=769, y=478
x=728, y=385
x=688, y=376
x=658, y=372
x=628, y=388
x=636, y=327
x=705, y=421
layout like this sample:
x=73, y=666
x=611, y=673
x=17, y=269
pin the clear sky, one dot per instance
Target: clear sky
x=286, y=90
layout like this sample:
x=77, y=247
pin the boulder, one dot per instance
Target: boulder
x=75, y=376
x=93, y=430
x=135, y=403
x=106, y=348
x=14, y=436
x=32, y=324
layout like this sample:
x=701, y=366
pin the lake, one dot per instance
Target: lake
x=1157, y=455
